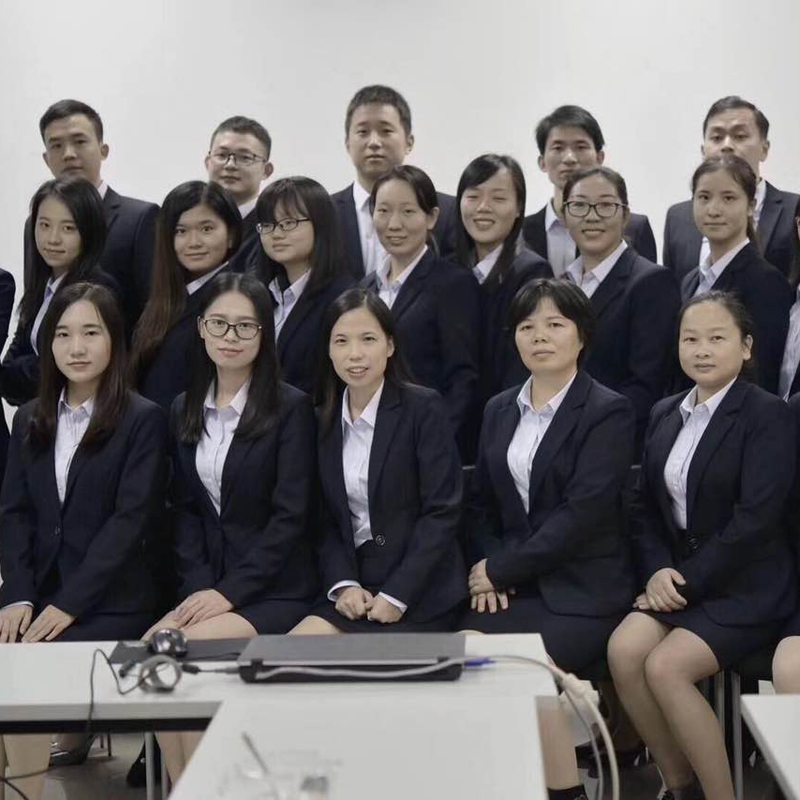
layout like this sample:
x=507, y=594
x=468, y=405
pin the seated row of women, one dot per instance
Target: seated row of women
x=281, y=521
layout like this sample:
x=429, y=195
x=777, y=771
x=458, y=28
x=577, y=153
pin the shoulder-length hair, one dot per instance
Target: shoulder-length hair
x=329, y=386
x=478, y=171
x=168, y=285
x=304, y=197
x=111, y=399
x=84, y=203
x=263, y=400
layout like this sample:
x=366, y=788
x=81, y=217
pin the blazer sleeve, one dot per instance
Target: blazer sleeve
x=290, y=502
x=17, y=523
x=140, y=486
x=770, y=304
x=440, y=488
x=601, y=468
x=7, y=288
x=767, y=475
x=19, y=372
x=645, y=242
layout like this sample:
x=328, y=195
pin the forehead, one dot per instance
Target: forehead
x=594, y=186
x=232, y=304
x=358, y=320
x=396, y=191
x=707, y=315
x=376, y=114
x=198, y=214
x=732, y=118
x=230, y=140
x=82, y=312
x=70, y=126
x=719, y=180
x=54, y=208
x=501, y=180
x=568, y=134
x=545, y=308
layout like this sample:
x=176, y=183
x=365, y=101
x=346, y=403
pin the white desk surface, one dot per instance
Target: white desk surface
x=458, y=747
x=44, y=682
x=774, y=721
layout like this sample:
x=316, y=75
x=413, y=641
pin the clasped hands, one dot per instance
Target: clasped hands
x=661, y=593
x=483, y=594
x=354, y=603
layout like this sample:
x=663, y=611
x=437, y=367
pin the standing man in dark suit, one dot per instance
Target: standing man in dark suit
x=72, y=133
x=735, y=126
x=378, y=137
x=238, y=160
x=570, y=139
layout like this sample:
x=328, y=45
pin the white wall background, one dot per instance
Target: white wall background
x=478, y=76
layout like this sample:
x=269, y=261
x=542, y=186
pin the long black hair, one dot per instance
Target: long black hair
x=263, y=400
x=329, y=386
x=111, y=398
x=86, y=207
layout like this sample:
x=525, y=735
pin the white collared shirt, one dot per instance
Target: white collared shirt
x=561, y=248
x=356, y=448
x=761, y=193
x=247, y=207
x=371, y=248
x=791, y=352
x=389, y=289
x=530, y=431
x=49, y=290
x=72, y=425
x=590, y=280
x=219, y=428
x=287, y=299
x=484, y=267
x=197, y=283
x=709, y=273
x=696, y=417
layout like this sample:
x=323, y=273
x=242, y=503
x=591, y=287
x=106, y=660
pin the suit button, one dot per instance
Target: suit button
x=380, y=540
x=57, y=531
x=693, y=543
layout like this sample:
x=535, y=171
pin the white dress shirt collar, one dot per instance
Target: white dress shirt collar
x=389, y=289
x=484, y=267
x=524, y=397
x=246, y=208
x=550, y=216
x=102, y=189
x=87, y=406
x=197, y=283
x=710, y=272
x=360, y=196
x=49, y=291
x=237, y=404
x=370, y=412
x=591, y=280
x=286, y=299
x=690, y=404
x=761, y=193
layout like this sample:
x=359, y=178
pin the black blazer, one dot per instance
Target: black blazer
x=776, y=233
x=19, y=371
x=414, y=504
x=94, y=545
x=638, y=234
x=167, y=375
x=632, y=353
x=501, y=366
x=245, y=259
x=734, y=553
x=258, y=547
x=570, y=545
x=443, y=232
x=767, y=296
x=7, y=288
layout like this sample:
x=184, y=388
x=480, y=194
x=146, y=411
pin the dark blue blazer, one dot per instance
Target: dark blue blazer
x=414, y=504
x=298, y=340
x=167, y=374
x=443, y=232
x=95, y=544
x=767, y=296
x=501, y=366
x=776, y=233
x=436, y=314
x=259, y=546
x=638, y=234
x=19, y=371
x=632, y=352
x=245, y=259
x=734, y=553
x=6, y=310
x=571, y=543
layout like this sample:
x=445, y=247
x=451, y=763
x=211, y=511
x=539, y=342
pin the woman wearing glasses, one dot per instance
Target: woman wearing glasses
x=243, y=448
x=199, y=229
x=635, y=301
x=303, y=267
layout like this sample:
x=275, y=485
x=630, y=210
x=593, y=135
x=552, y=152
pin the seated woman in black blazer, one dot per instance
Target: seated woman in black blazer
x=710, y=538
x=302, y=265
x=723, y=198
x=434, y=303
x=244, y=461
x=391, y=485
x=68, y=235
x=491, y=202
x=635, y=301
x=199, y=229
x=83, y=485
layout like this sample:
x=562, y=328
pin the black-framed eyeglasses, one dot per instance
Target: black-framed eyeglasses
x=286, y=225
x=605, y=209
x=222, y=157
x=219, y=327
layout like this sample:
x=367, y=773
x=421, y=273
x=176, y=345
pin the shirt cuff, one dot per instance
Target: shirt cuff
x=341, y=585
x=18, y=603
x=394, y=601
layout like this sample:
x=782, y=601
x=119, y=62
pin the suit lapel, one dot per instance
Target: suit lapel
x=350, y=234
x=614, y=283
x=300, y=310
x=111, y=204
x=660, y=447
x=78, y=463
x=770, y=213
x=413, y=285
x=389, y=411
x=498, y=459
x=690, y=284
x=535, y=233
x=237, y=453
x=330, y=454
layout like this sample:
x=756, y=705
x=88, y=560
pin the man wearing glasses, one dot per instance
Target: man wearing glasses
x=238, y=160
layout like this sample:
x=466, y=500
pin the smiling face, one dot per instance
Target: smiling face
x=711, y=347
x=721, y=209
x=231, y=351
x=202, y=240
x=594, y=235
x=490, y=209
x=376, y=141
x=402, y=226
x=57, y=238
x=82, y=346
x=548, y=342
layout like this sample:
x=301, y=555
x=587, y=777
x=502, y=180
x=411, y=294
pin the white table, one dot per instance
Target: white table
x=774, y=721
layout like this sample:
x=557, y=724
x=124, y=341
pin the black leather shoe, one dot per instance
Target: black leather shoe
x=626, y=759
x=137, y=774
x=70, y=758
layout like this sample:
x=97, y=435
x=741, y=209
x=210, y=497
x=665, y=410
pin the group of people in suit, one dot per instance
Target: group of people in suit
x=289, y=446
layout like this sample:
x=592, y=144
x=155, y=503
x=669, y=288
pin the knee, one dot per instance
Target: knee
x=786, y=666
x=663, y=668
x=626, y=654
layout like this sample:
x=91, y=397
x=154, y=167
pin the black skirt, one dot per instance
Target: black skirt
x=274, y=616
x=107, y=627
x=792, y=627
x=443, y=623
